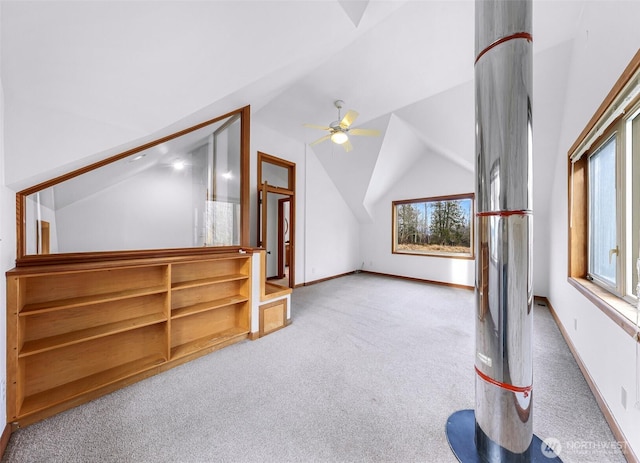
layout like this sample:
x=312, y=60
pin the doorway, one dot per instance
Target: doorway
x=276, y=217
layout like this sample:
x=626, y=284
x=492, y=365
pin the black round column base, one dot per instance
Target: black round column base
x=461, y=431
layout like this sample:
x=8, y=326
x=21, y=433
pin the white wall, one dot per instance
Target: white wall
x=158, y=215
x=608, y=38
x=332, y=230
x=326, y=241
x=7, y=262
x=7, y=255
x=433, y=175
x=550, y=71
x=540, y=256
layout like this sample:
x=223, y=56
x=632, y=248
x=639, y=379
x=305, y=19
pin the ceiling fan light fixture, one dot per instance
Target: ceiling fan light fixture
x=339, y=137
x=340, y=130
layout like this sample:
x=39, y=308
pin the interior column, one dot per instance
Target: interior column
x=501, y=428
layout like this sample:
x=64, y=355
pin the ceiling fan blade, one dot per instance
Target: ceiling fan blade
x=348, y=119
x=320, y=140
x=315, y=126
x=365, y=132
x=347, y=146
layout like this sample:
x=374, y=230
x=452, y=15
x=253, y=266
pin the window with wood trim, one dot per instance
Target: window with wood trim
x=604, y=199
x=187, y=192
x=439, y=226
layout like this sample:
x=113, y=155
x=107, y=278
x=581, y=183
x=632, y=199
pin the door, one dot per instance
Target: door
x=284, y=245
x=275, y=233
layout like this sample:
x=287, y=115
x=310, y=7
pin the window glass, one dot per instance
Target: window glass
x=180, y=193
x=275, y=175
x=602, y=213
x=635, y=206
x=434, y=226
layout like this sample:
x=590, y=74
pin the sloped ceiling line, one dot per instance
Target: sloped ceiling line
x=399, y=152
x=355, y=9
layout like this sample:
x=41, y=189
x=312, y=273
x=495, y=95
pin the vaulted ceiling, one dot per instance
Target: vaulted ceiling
x=119, y=71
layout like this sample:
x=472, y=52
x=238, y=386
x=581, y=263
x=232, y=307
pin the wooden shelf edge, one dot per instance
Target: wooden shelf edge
x=206, y=306
x=38, y=346
x=108, y=259
x=49, y=306
x=207, y=342
x=208, y=281
x=70, y=391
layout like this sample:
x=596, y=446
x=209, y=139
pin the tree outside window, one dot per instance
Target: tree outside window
x=439, y=226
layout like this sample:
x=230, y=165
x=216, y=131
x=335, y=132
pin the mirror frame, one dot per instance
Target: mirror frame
x=23, y=259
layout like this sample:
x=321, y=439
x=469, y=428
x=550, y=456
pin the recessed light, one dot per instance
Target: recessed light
x=178, y=165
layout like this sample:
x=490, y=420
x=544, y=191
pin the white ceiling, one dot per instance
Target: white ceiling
x=120, y=71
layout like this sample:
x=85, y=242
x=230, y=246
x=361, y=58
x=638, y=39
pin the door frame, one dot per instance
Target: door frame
x=263, y=191
x=282, y=249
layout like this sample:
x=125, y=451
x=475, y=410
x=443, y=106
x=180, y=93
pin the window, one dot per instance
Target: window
x=602, y=217
x=633, y=201
x=440, y=226
x=185, y=192
x=604, y=202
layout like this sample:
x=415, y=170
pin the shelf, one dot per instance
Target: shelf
x=209, y=305
x=60, y=394
x=272, y=291
x=208, y=281
x=207, y=341
x=48, y=306
x=54, y=342
x=76, y=332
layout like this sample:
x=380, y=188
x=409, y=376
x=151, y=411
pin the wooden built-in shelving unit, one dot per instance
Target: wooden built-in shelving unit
x=77, y=331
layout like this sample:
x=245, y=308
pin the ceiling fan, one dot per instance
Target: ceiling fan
x=340, y=130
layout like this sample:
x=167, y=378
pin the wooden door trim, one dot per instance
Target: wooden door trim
x=289, y=191
x=262, y=227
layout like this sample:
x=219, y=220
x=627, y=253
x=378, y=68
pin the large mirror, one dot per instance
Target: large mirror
x=183, y=191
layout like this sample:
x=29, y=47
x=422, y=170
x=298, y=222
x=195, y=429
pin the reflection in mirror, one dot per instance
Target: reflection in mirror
x=183, y=192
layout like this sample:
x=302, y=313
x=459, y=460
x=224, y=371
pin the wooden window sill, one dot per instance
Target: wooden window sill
x=617, y=309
